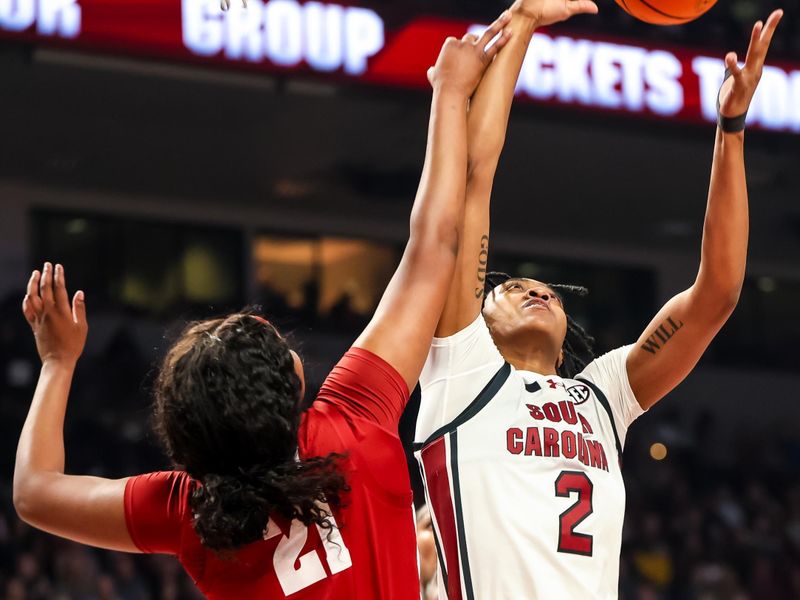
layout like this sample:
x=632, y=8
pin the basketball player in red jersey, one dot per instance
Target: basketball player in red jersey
x=519, y=439
x=267, y=502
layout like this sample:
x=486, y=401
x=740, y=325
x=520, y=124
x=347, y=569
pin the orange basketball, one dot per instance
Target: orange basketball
x=666, y=12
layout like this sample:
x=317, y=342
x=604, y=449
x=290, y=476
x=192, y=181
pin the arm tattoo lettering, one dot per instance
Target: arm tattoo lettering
x=483, y=259
x=662, y=335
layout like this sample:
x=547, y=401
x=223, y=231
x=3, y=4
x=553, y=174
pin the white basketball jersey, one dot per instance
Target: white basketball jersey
x=522, y=472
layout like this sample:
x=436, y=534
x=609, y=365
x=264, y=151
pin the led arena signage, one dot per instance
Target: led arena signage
x=326, y=37
x=353, y=43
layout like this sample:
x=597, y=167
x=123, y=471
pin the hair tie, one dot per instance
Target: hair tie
x=263, y=320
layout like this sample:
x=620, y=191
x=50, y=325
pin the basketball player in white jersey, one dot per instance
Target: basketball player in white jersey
x=519, y=440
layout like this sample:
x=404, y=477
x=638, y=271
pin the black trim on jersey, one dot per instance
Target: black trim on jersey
x=604, y=402
x=480, y=401
x=533, y=387
x=442, y=564
x=462, y=538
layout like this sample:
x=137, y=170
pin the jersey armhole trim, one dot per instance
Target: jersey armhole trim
x=481, y=400
x=607, y=406
x=128, y=510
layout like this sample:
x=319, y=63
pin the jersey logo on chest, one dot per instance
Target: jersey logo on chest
x=573, y=437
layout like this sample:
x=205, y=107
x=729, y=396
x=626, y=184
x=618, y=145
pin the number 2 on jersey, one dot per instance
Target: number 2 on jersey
x=569, y=541
x=310, y=569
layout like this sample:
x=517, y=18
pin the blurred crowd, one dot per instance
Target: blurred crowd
x=703, y=529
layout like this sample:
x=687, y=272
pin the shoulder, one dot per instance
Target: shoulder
x=609, y=373
x=608, y=367
x=157, y=509
x=471, y=350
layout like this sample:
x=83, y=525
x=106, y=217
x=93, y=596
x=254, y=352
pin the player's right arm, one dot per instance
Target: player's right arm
x=672, y=344
x=487, y=123
x=401, y=330
x=84, y=509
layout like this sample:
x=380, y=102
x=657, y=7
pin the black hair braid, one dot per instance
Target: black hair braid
x=227, y=409
x=578, y=350
x=575, y=290
x=577, y=347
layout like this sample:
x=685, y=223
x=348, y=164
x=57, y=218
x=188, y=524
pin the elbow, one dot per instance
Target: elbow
x=25, y=497
x=23, y=503
x=432, y=234
x=730, y=299
x=482, y=166
x=726, y=295
x=721, y=302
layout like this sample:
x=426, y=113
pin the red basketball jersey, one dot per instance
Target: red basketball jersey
x=372, y=552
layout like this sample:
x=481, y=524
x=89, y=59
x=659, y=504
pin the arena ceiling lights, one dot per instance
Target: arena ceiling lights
x=353, y=43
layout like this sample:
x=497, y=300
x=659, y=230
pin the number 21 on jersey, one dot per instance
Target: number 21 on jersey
x=310, y=569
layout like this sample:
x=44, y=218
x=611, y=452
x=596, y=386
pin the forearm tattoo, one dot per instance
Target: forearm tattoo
x=483, y=259
x=662, y=335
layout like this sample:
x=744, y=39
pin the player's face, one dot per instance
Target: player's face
x=520, y=306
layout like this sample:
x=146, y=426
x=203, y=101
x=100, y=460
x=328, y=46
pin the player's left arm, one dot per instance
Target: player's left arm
x=89, y=510
x=676, y=338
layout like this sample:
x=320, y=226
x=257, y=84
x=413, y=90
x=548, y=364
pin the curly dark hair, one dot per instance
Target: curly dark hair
x=227, y=409
x=578, y=344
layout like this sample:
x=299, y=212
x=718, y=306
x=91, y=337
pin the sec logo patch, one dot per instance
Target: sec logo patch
x=579, y=393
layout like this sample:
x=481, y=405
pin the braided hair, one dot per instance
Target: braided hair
x=227, y=410
x=578, y=351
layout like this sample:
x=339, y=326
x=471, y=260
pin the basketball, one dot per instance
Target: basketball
x=666, y=12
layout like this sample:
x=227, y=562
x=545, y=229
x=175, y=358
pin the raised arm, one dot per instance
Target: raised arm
x=404, y=322
x=676, y=338
x=487, y=124
x=84, y=509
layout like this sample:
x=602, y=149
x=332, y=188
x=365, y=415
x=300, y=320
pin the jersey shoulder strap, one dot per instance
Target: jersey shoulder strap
x=605, y=404
x=474, y=407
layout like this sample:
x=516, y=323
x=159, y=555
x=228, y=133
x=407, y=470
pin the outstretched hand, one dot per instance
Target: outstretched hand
x=548, y=12
x=737, y=92
x=462, y=63
x=59, y=326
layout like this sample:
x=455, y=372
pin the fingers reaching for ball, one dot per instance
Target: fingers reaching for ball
x=737, y=93
x=761, y=39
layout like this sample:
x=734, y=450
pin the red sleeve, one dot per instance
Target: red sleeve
x=364, y=384
x=156, y=505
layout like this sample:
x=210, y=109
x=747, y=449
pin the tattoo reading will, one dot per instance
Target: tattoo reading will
x=662, y=335
x=483, y=259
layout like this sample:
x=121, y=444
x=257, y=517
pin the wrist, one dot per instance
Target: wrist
x=732, y=136
x=59, y=364
x=530, y=18
x=450, y=91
